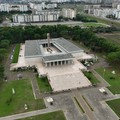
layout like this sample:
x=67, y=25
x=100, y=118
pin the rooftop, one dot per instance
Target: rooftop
x=33, y=48
x=57, y=57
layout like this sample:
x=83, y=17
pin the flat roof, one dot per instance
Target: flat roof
x=33, y=49
x=67, y=45
x=57, y=57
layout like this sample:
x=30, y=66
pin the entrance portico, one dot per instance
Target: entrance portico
x=57, y=63
x=58, y=60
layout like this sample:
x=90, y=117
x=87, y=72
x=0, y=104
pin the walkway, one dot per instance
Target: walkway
x=28, y=114
x=35, y=87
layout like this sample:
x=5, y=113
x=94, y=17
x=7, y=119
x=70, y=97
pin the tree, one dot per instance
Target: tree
x=36, y=36
x=2, y=53
x=1, y=72
x=4, y=43
x=114, y=57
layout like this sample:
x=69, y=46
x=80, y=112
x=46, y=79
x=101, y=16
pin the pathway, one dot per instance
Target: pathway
x=35, y=87
x=28, y=114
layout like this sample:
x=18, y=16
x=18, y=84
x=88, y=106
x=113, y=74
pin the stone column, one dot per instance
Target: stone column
x=53, y=63
x=57, y=63
x=45, y=64
x=60, y=62
x=65, y=62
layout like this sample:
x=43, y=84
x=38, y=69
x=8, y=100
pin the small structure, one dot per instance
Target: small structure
x=25, y=106
x=50, y=100
x=102, y=90
x=13, y=91
x=19, y=76
x=113, y=72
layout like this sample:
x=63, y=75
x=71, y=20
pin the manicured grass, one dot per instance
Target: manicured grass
x=58, y=115
x=91, y=77
x=16, y=54
x=79, y=105
x=112, y=79
x=44, y=85
x=14, y=103
x=94, y=24
x=101, y=20
x=115, y=105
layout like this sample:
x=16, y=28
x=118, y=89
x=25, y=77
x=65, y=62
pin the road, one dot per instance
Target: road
x=84, y=105
x=69, y=23
x=74, y=23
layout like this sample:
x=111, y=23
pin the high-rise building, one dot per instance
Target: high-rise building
x=69, y=13
x=13, y=7
x=41, y=16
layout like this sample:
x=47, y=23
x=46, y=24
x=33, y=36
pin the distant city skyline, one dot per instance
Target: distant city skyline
x=60, y=1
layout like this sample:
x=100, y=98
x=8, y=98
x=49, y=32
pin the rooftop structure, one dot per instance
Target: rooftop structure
x=35, y=47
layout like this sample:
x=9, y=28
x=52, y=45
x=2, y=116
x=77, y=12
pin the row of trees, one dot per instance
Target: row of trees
x=4, y=44
x=83, y=18
x=86, y=36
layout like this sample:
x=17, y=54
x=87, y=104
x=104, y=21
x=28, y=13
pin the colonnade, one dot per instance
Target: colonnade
x=57, y=63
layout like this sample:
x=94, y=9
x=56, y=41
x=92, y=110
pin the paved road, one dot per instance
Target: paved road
x=28, y=114
x=73, y=23
x=65, y=102
x=69, y=23
x=96, y=100
x=84, y=105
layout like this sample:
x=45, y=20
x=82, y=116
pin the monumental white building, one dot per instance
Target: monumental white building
x=69, y=13
x=13, y=7
x=56, y=58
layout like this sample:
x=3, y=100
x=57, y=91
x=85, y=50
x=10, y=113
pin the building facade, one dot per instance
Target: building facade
x=42, y=6
x=69, y=13
x=13, y=7
x=40, y=17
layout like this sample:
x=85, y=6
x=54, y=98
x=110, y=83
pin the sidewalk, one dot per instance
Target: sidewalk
x=28, y=114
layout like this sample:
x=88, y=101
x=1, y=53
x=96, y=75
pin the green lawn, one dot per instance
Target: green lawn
x=91, y=77
x=14, y=103
x=16, y=54
x=94, y=24
x=58, y=115
x=102, y=20
x=44, y=85
x=115, y=105
x=112, y=79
